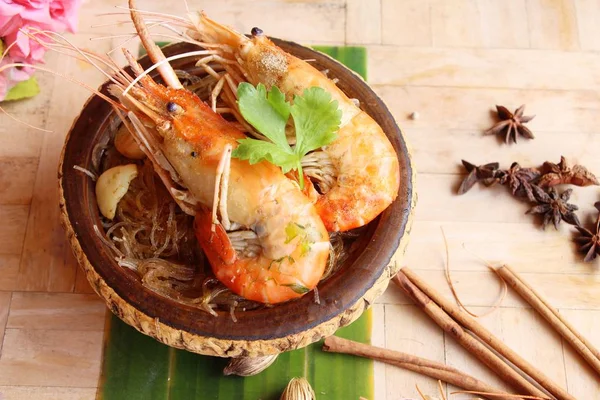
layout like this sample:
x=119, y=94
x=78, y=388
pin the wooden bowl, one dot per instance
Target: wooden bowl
x=287, y=326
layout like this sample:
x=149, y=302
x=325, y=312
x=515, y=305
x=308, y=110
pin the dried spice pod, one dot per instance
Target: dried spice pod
x=511, y=125
x=520, y=180
x=554, y=207
x=485, y=173
x=589, y=240
x=298, y=389
x=248, y=366
x=563, y=173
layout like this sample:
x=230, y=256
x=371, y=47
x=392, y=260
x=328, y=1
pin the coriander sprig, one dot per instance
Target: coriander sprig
x=316, y=120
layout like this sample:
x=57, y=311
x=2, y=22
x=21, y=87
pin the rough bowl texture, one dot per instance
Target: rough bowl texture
x=288, y=326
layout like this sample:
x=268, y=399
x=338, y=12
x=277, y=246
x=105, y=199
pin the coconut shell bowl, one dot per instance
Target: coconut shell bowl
x=264, y=331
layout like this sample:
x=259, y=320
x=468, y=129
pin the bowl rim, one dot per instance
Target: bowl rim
x=172, y=332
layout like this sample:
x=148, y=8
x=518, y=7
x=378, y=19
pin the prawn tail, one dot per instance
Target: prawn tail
x=212, y=238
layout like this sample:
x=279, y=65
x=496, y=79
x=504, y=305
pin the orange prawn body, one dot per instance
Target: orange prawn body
x=294, y=243
x=367, y=166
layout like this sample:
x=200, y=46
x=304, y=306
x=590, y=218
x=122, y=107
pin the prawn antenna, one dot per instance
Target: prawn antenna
x=23, y=122
x=143, y=12
x=38, y=68
x=82, y=55
x=154, y=52
x=166, y=60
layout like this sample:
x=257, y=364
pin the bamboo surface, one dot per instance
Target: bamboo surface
x=449, y=61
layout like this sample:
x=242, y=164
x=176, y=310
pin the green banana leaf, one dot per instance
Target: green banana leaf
x=136, y=366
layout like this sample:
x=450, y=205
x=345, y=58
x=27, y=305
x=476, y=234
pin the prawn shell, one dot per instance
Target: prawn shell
x=367, y=165
x=284, y=327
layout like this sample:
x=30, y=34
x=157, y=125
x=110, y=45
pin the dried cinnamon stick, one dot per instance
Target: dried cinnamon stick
x=420, y=365
x=485, y=355
x=581, y=345
x=487, y=337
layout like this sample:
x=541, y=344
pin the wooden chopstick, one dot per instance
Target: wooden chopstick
x=557, y=321
x=487, y=337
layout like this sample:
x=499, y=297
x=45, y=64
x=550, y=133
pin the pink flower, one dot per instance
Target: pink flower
x=55, y=15
x=11, y=76
x=17, y=16
x=9, y=17
x=64, y=14
x=25, y=49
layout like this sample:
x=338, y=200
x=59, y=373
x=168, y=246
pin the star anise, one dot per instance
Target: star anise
x=511, y=124
x=554, y=207
x=520, y=180
x=562, y=173
x=477, y=173
x=589, y=241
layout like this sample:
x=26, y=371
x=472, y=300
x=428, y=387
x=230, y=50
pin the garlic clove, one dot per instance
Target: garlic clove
x=248, y=366
x=298, y=389
x=112, y=185
x=126, y=144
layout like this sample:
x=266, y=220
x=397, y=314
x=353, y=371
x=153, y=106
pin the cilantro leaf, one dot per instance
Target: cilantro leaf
x=268, y=112
x=256, y=151
x=316, y=119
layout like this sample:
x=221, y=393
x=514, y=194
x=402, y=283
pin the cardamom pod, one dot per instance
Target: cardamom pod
x=248, y=366
x=298, y=389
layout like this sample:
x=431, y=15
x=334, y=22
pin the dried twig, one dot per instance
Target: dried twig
x=453, y=289
x=514, y=396
x=420, y=393
x=442, y=390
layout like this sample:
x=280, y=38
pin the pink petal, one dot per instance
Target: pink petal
x=20, y=74
x=24, y=49
x=64, y=14
x=9, y=24
x=5, y=82
x=19, y=43
x=8, y=10
x=32, y=3
x=38, y=17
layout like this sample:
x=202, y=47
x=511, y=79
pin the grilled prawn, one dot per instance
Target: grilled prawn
x=282, y=245
x=358, y=174
x=263, y=238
